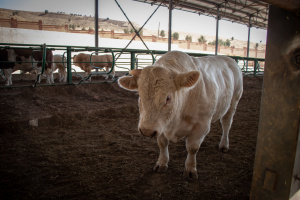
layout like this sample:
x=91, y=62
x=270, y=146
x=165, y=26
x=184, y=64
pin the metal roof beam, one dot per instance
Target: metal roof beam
x=229, y=16
x=234, y=10
x=241, y=16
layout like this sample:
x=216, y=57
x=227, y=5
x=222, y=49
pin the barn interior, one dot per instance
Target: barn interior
x=276, y=170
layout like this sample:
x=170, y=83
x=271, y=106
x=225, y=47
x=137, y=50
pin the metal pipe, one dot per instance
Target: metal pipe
x=217, y=29
x=69, y=76
x=132, y=60
x=137, y=33
x=293, y=5
x=96, y=24
x=248, y=43
x=170, y=25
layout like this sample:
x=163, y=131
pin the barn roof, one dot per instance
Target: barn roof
x=237, y=11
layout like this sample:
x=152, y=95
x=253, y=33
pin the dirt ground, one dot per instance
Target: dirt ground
x=86, y=146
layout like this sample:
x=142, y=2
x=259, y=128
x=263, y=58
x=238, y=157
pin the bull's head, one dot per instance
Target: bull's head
x=159, y=99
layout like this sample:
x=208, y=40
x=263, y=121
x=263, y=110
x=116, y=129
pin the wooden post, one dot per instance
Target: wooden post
x=277, y=161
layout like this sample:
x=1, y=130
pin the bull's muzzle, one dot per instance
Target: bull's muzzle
x=148, y=132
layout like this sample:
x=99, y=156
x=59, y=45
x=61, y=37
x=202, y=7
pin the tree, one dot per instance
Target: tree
x=256, y=45
x=221, y=42
x=46, y=11
x=202, y=39
x=175, y=36
x=227, y=43
x=72, y=26
x=188, y=38
x=162, y=33
x=232, y=38
x=141, y=32
x=126, y=31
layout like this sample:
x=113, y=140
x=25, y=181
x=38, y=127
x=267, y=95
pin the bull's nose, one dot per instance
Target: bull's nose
x=148, y=132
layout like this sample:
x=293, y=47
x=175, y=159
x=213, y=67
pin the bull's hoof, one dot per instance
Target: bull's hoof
x=223, y=148
x=190, y=175
x=160, y=169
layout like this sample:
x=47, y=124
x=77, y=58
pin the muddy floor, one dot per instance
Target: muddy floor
x=81, y=142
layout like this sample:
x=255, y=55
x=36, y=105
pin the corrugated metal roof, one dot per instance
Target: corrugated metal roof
x=237, y=11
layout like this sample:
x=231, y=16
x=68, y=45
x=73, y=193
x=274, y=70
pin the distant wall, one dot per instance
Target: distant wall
x=14, y=23
x=27, y=36
x=182, y=44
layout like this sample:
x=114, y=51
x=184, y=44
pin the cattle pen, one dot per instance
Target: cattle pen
x=85, y=137
x=76, y=140
x=123, y=60
x=81, y=142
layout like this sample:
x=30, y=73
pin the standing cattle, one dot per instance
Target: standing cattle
x=7, y=55
x=60, y=63
x=85, y=62
x=23, y=59
x=38, y=56
x=180, y=96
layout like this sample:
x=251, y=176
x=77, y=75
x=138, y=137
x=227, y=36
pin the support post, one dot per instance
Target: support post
x=69, y=70
x=96, y=26
x=96, y=23
x=277, y=159
x=132, y=61
x=170, y=25
x=248, y=43
x=217, y=29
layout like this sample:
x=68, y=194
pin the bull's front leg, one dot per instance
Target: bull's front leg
x=193, y=143
x=163, y=159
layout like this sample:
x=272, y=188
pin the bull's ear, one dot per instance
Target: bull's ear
x=128, y=83
x=188, y=79
x=135, y=72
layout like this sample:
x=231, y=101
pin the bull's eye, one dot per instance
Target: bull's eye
x=168, y=99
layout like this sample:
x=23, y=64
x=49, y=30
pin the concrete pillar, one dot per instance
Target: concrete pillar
x=40, y=25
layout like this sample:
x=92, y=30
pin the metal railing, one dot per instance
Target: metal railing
x=123, y=61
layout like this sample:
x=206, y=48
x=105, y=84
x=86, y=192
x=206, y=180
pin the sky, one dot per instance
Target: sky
x=139, y=12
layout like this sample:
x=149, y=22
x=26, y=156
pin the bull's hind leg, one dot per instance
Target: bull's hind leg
x=163, y=159
x=226, y=122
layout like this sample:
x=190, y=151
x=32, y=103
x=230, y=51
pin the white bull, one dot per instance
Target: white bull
x=180, y=96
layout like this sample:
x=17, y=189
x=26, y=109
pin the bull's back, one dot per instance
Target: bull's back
x=223, y=82
x=103, y=60
x=222, y=70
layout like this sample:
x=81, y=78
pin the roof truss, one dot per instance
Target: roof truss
x=238, y=11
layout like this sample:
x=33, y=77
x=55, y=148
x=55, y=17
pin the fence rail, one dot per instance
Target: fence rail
x=124, y=60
